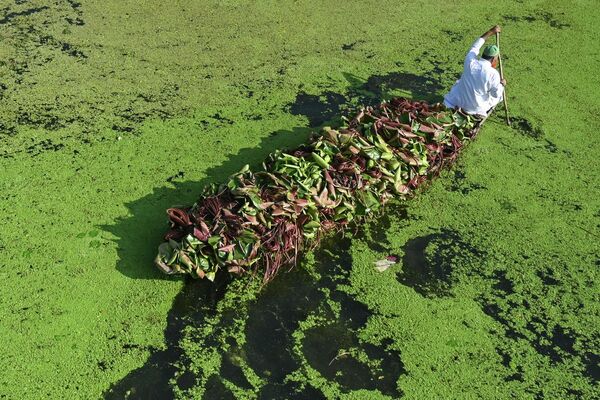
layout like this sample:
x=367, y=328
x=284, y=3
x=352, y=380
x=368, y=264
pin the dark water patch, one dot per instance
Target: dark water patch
x=374, y=233
x=193, y=304
x=3, y=88
x=505, y=356
x=318, y=108
x=548, y=278
x=7, y=129
x=355, y=314
x=351, y=46
x=455, y=37
x=553, y=22
x=74, y=4
x=244, y=90
x=334, y=351
x=25, y=13
x=215, y=389
x=291, y=298
x=328, y=350
x=459, y=175
x=20, y=69
x=503, y=284
x=543, y=16
x=554, y=341
x=493, y=310
x=186, y=381
x=102, y=365
x=120, y=128
x=41, y=118
x=550, y=146
x=284, y=303
x=517, y=376
x=135, y=346
x=379, y=240
x=75, y=21
x=233, y=372
x=68, y=49
x=132, y=117
x=290, y=391
x=557, y=345
x=45, y=145
x=591, y=362
x=222, y=119
x=178, y=175
x=429, y=261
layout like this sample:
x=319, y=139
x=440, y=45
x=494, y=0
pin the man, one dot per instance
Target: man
x=479, y=88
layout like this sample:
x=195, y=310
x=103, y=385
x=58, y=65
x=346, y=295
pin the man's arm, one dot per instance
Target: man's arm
x=474, y=50
x=496, y=86
x=493, y=30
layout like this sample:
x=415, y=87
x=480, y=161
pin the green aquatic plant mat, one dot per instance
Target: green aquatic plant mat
x=260, y=221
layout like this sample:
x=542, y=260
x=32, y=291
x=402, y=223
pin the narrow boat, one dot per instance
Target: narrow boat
x=261, y=220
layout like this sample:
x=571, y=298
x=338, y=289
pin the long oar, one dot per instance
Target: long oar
x=502, y=77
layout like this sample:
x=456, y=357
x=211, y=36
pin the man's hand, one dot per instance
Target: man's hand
x=493, y=30
x=503, y=82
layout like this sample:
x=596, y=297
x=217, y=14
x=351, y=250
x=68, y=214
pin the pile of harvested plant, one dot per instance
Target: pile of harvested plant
x=259, y=221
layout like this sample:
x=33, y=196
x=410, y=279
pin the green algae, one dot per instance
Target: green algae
x=112, y=112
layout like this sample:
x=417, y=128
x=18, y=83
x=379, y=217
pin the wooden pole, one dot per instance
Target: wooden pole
x=502, y=77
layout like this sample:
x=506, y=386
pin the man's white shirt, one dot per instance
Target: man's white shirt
x=479, y=87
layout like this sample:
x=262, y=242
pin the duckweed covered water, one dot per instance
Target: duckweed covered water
x=111, y=112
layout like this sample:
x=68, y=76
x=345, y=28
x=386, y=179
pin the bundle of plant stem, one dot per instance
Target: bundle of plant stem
x=259, y=221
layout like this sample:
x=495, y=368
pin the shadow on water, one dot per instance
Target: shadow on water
x=139, y=234
x=328, y=105
x=429, y=261
x=333, y=349
x=193, y=304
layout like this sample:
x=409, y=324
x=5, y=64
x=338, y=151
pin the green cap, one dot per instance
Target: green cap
x=491, y=51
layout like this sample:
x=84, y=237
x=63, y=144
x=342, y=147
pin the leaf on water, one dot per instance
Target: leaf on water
x=384, y=264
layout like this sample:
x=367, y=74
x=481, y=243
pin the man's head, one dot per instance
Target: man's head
x=491, y=53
